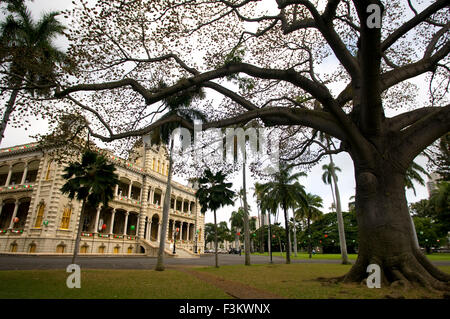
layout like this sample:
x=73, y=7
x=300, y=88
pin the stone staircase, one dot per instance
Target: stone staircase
x=184, y=253
x=151, y=249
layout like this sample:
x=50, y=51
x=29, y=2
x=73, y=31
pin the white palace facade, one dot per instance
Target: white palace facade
x=36, y=218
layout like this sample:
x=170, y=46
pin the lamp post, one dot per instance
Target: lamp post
x=196, y=238
x=175, y=239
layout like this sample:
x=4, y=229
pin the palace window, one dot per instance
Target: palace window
x=49, y=170
x=32, y=248
x=40, y=215
x=66, y=218
x=60, y=249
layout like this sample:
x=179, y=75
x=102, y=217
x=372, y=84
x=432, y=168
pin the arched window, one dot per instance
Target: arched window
x=32, y=248
x=13, y=248
x=40, y=215
x=154, y=163
x=65, y=221
x=60, y=249
x=159, y=167
x=49, y=170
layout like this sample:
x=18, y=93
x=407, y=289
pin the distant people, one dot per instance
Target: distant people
x=314, y=251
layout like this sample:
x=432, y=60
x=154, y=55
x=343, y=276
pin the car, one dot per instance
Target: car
x=233, y=251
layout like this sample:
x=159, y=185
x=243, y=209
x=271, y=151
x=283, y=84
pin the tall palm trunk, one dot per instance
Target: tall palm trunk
x=9, y=109
x=80, y=229
x=295, y=234
x=269, y=240
x=216, y=253
x=340, y=219
x=165, y=221
x=309, y=237
x=246, y=221
x=288, y=237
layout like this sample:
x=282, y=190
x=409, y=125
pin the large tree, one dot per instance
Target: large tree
x=275, y=51
x=28, y=56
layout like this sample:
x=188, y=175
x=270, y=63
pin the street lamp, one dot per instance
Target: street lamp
x=196, y=239
x=175, y=239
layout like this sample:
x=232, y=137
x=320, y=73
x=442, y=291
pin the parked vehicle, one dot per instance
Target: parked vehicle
x=233, y=251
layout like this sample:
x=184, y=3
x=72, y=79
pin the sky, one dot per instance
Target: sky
x=313, y=182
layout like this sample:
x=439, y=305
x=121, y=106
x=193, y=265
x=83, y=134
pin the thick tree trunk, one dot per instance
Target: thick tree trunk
x=165, y=218
x=76, y=249
x=385, y=231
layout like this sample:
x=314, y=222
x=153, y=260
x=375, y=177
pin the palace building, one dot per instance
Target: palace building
x=36, y=218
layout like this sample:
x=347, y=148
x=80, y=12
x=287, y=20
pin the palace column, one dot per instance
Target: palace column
x=138, y=228
x=129, y=189
x=8, y=179
x=97, y=216
x=24, y=176
x=126, y=223
x=181, y=228
x=16, y=207
x=111, y=226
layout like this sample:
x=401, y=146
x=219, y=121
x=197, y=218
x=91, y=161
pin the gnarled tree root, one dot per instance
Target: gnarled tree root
x=404, y=271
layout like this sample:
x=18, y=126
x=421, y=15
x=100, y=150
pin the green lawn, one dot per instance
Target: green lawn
x=105, y=284
x=436, y=257
x=299, y=281
x=289, y=281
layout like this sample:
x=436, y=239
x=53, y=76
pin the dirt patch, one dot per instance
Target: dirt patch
x=233, y=288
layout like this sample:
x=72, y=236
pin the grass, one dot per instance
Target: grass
x=290, y=281
x=299, y=281
x=434, y=257
x=105, y=284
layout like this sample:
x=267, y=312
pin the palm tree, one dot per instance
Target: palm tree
x=309, y=209
x=212, y=194
x=412, y=175
x=177, y=105
x=329, y=177
x=91, y=181
x=31, y=56
x=286, y=192
x=237, y=223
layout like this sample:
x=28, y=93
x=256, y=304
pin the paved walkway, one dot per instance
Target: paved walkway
x=9, y=262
